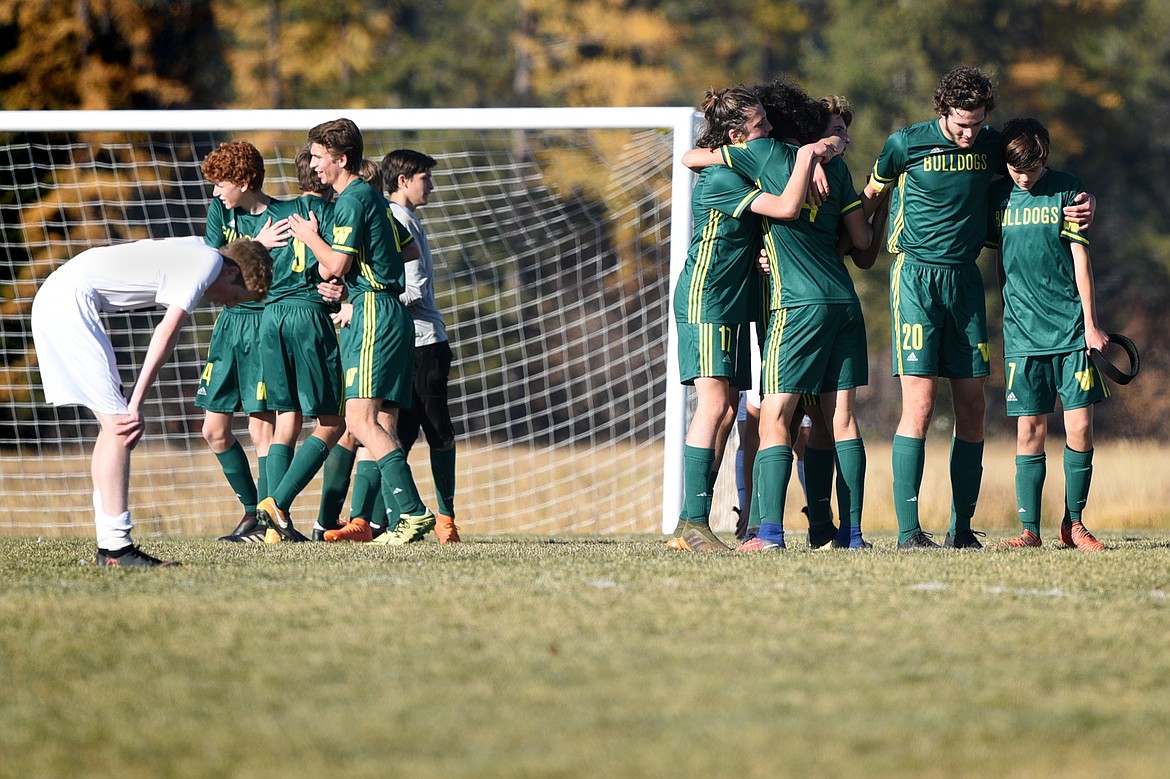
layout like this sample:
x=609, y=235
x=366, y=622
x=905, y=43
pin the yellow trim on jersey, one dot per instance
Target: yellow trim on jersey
x=774, y=279
x=1073, y=233
x=877, y=181
x=897, y=220
x=703, y=259
x=706, y=337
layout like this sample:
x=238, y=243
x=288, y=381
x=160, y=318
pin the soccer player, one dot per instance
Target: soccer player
x=815, y=342
x=407, y=177
x=378, y=345
x=302, y=363
x=939, y=172
x=77, y=361
x=1049, y=327
x=232, y=379
x=712, y=298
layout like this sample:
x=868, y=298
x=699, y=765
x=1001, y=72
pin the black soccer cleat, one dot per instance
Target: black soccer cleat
x=920, y=540
x=131, y=557
x=249, y=525
x=964, y=539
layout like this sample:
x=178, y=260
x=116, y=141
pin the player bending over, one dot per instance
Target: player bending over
x=77, y=361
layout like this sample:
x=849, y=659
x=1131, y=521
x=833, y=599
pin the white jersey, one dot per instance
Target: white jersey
x=76, y=359
x=145, y=274
x=419, y=297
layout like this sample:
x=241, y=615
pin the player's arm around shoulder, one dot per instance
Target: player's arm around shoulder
x=697, y=159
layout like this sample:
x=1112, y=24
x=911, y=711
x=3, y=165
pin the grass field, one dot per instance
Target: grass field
x=585, y=656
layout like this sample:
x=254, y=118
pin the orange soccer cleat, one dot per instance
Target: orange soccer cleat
x=1075, y=534
x=357, y=530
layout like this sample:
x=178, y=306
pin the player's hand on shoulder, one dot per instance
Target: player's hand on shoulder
x=301, y=227
x=274, y=234
x=1082, y=210
x=818, y=190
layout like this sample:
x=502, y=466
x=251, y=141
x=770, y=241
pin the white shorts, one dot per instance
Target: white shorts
x=76, y=358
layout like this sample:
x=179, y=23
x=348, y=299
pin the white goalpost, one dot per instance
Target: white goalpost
x=557, y=234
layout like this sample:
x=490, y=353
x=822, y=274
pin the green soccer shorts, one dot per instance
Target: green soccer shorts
x=815, y=348
x=1032, y=384
x=939, y=320
x=233, y=378
x=714, y=351
x=302, y=360
x=377, y=350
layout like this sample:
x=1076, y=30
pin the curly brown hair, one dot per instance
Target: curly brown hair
x=254, y=262
x=964, y=89
x=794, y=115
x=236, y=161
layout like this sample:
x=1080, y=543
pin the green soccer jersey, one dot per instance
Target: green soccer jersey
x=364, y=229
x=225, y=226
x=715, y=285
x=938, y=209
x=1042, y=311
x=802, y=254
x=295, y=273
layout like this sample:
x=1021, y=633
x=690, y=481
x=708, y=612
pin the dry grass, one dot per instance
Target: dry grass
x=565, y=489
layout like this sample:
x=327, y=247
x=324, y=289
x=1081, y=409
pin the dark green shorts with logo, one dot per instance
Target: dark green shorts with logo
x=233, y=377
x=1032, y=384
x=714, y=351
x=939, y=320
x=377, y=350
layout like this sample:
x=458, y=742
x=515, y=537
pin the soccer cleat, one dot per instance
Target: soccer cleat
x=248, y=524
x=255, y=536
x=920, y=540
x=1026, y=539
x=446, y=531
x=822, y=538
x=859, y=543
x=276, y=519
x=696, y=537
x=132, y=557
x=1075, y=534
x=356, y=530
x=757, y=544
x=964, y=539
x=409, y=530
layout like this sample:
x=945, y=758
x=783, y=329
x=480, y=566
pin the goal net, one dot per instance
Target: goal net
x=554, y=233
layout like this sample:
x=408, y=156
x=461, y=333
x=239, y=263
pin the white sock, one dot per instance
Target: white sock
x=113, y=533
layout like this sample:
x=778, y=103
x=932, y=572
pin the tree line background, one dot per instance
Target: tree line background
x=1096, y=72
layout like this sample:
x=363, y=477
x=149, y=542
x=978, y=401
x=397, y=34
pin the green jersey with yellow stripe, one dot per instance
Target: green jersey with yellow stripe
x=802, y=254
x=227, y=225
x=364, y=229
x=938, y=209
x=716, y=284
x=1042, y=311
